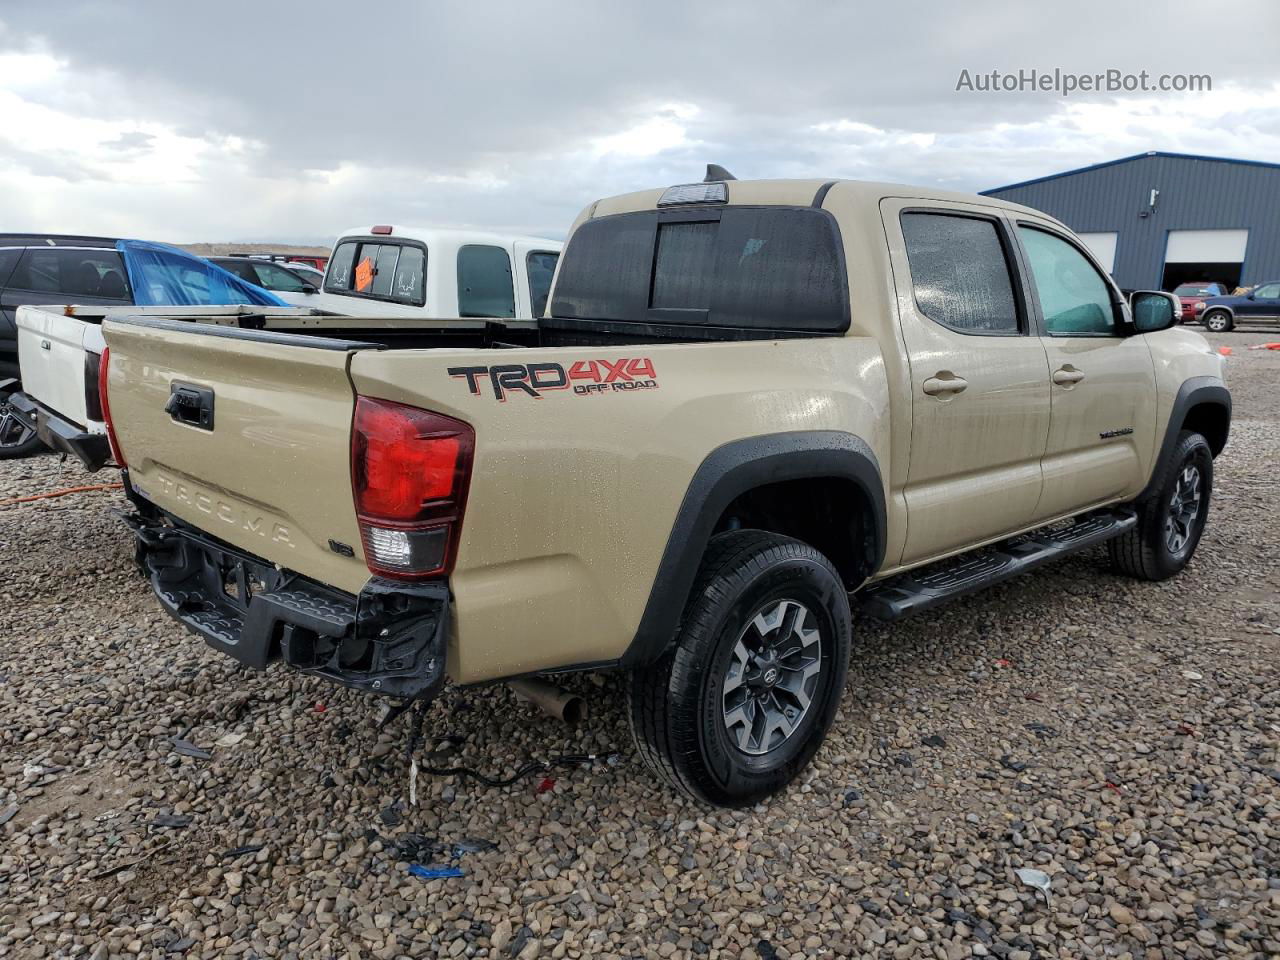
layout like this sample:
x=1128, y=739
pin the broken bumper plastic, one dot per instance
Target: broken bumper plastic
x=389, y=639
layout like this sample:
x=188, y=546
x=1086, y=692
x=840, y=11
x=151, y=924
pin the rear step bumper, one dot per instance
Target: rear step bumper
x=930, y=586
x=389, y=639
x=91, y=449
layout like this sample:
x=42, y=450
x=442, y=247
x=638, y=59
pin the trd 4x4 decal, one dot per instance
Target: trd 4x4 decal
x=584, y=377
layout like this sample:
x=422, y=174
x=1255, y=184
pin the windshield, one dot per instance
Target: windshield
x=1196, y=290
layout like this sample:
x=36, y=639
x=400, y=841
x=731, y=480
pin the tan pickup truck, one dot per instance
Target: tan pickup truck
x=749, y=405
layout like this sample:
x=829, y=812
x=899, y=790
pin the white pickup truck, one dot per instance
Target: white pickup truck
x=387, y=270
x=400, y=274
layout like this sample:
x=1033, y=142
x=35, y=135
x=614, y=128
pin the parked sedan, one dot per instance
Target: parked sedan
x=277, y=277
x=1260, y=305
x=1193, y=295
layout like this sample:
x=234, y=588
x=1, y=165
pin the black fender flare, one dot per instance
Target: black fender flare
x=726, y=473
x=1192, y=393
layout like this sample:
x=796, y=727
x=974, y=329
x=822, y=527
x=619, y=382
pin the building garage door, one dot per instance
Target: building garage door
x=1207, y=256
x=1102, y=246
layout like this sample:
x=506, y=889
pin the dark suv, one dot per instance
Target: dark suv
x=55, y=268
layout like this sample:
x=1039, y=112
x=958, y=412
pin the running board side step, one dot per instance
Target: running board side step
x=945, y=580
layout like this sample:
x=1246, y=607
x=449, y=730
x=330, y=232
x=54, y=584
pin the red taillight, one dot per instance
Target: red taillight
x=410, y=469
x=381, y=230
x=103, y=369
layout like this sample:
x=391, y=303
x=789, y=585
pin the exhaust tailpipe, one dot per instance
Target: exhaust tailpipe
x=549, y=698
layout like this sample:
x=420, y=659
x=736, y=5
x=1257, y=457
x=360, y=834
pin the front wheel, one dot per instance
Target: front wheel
x=741, y=704
x=1218, y=321
x=1172, y=518
x=16, y=439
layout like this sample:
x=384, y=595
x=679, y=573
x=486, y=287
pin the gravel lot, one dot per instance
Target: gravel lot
x=1121, y=737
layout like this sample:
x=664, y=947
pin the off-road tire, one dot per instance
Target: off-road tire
x=1212, y=318
x=677, y=704
x=1144, y=552
x=10, y=447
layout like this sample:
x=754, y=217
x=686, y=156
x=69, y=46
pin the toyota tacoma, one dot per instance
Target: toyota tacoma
x=749, y=407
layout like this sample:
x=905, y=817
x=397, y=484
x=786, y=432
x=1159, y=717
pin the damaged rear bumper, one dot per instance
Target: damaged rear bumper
x=388, y=639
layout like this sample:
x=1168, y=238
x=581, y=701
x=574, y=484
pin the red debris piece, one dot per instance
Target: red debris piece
x=320, y=707
x=546, y=784
x=1111, y=786
x=1186, y=729
x=1225, y=351
x=1002, y=662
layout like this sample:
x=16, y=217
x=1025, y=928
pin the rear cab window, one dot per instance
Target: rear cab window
x=394, y=271
x=773, y=268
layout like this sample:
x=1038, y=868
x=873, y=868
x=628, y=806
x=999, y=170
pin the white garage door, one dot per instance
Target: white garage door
x=1206, y=246
x=1102, y=246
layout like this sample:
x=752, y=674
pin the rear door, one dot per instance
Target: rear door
x=269, y=472
x=979, y=378
x=1102, y=431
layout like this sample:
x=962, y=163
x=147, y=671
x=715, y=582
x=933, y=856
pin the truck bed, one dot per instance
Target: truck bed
x=572, y=425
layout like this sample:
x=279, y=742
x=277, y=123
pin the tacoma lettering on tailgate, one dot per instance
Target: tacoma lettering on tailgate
x=584, y=377
x=229, y=513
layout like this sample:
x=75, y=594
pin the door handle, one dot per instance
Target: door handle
x=944, y=384
x=1067, y=376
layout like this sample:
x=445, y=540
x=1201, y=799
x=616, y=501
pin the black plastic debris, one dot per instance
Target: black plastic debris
x=186, y=748
x=766, y=951
x=180, y=946
x=392, y=815
x=1041, y=730
x=242, y=851
x=472, y=845
x=1017, y=766
x=173, y=821
x=851, y=797
x=934, y=740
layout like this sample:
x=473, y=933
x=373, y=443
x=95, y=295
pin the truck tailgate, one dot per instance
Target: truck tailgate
x=270, y=472
x=51, y=356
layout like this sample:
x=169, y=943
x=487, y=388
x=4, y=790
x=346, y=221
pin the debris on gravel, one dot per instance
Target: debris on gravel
x=1120, y=738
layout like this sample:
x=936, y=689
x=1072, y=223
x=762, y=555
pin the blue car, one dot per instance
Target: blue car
x=1260, y=305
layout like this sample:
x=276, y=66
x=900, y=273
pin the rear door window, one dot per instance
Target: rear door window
x=274, y=278
x=767, y=268
x=541, y=266
x=484, y=282
x=960, y=272
x=98, y=274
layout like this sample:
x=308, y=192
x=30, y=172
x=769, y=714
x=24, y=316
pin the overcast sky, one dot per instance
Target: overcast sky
x=292, y=121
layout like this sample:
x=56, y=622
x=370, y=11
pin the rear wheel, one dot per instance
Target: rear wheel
x=1172, y=518
x=16, y=439
x=743, y=702
x=1218, y=321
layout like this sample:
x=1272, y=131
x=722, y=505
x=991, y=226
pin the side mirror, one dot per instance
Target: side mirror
x=308, y=288
x=1154, y=310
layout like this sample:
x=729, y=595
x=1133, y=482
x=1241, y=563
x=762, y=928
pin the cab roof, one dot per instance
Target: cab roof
x=451, y=236
x=802, y=193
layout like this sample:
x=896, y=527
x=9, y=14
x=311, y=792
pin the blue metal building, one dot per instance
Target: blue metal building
x=1159, y=219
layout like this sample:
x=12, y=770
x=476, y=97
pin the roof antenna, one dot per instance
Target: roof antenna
x=716, y=173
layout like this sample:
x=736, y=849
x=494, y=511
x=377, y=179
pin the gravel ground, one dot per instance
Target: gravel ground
x=1122, y=737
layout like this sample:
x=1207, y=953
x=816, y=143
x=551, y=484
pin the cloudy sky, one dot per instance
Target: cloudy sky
x=292, y=121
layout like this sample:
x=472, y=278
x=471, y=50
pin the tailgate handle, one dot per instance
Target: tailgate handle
x=191, y=405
